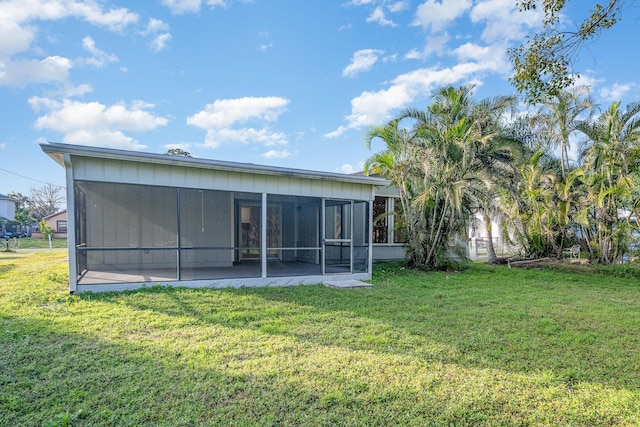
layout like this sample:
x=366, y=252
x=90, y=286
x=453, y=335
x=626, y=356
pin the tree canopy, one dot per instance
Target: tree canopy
x=459, y=160
x=543, y=64
x=178, y=152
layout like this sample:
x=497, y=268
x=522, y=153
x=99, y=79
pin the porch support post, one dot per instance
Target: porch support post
x=178, y=237
x=71, y=224
x=263, y=236
x=369, y=231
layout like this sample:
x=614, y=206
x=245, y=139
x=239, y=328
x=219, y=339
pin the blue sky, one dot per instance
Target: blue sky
x=282, y=82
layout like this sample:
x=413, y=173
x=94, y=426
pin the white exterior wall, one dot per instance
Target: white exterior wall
x=118, y=171
x=8, y=209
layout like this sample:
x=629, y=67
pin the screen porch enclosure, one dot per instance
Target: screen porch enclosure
x=128, y=233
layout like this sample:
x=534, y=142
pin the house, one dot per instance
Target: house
x=139, y=219
x=7, y=208
x=58, y=223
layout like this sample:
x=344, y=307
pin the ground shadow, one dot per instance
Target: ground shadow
x=439, y=322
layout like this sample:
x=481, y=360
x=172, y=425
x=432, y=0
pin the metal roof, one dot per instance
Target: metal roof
x=56, y=151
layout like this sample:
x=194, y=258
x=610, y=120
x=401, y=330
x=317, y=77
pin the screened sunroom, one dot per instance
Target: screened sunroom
x=138, y=219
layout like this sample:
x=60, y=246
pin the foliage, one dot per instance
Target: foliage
x=441, y=160
x=45, y=200
x=560, y=115
x=178, y=152
x=593, y=203
x=487, y=346
x=45, y=229
x=543, y=63
x=611, y=164
x=9, y=245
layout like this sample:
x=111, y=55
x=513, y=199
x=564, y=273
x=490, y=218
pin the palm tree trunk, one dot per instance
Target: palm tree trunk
x=491, y=251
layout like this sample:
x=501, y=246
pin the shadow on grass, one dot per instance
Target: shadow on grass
x=533, y=325
x=52, y=377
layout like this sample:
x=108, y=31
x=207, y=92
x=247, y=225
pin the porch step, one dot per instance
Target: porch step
x=347, y=284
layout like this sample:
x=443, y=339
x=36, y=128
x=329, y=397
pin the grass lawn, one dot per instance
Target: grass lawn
x=487, y=346
x=32, y=243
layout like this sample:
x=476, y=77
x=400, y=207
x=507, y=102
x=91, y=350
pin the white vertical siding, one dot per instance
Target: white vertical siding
x=118, y=171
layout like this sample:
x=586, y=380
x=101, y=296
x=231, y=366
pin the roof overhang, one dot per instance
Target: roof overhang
x=57, y=151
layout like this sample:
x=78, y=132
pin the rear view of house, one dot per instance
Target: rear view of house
x=137, y=219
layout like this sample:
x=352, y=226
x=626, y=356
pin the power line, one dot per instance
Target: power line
x=32, y=179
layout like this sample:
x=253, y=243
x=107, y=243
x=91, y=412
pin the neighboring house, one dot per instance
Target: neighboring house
x=58, y=223
x=7, y=208
x=138, y=219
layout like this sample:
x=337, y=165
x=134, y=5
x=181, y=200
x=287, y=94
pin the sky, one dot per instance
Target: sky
x=290, y=83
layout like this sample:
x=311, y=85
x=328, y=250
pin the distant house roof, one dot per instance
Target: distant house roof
x=55, y=214
x=57, y=151
x=3, y=197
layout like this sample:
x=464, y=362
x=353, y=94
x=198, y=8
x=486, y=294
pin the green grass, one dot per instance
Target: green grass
x=486, y=346
x=32, y=243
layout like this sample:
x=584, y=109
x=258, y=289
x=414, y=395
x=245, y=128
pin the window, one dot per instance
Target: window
x=380, y=220
x=388, y=221
x=61, y=226
x=399, y=230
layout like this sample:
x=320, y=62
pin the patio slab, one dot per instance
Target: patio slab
x=347, y=284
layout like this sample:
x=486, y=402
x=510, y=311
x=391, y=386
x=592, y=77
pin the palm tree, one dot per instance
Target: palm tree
x=611, y=162
x=561, y=115
x=399, y=163
x=440, y=162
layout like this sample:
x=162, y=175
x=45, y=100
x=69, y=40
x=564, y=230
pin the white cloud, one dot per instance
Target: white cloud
x=617, y=91
x=436, y=16
x=16, y=12
x=398, y=6
x=93, y=123
x=159, y=31
x=182, y=6
x=336, y=133
x=23, y=72
x=265, y=46
x=100, y=58
x=15, y=37
x=67, y=90
x=3, y=146
x=179, y=7
x=223, y=119
x=350, y=169
x=362, y=60
x=18, y=31
x=434, y=44
x=378, y=16
x=277, y=154
x=155, y=26
x=372, y=108
x=503, y=20
x=160, y=42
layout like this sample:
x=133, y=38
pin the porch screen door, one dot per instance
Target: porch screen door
x=337, y=242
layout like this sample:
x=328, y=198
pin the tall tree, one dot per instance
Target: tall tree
x=22, y=213
x=560, y=115
x=543, y=63
x=45, y=200
x=440, y=159
x=611, y=164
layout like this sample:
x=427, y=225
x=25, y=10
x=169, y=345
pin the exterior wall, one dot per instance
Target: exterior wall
x=7, y=208
x=162, y=221
x=389, y=252
x=119, y=171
